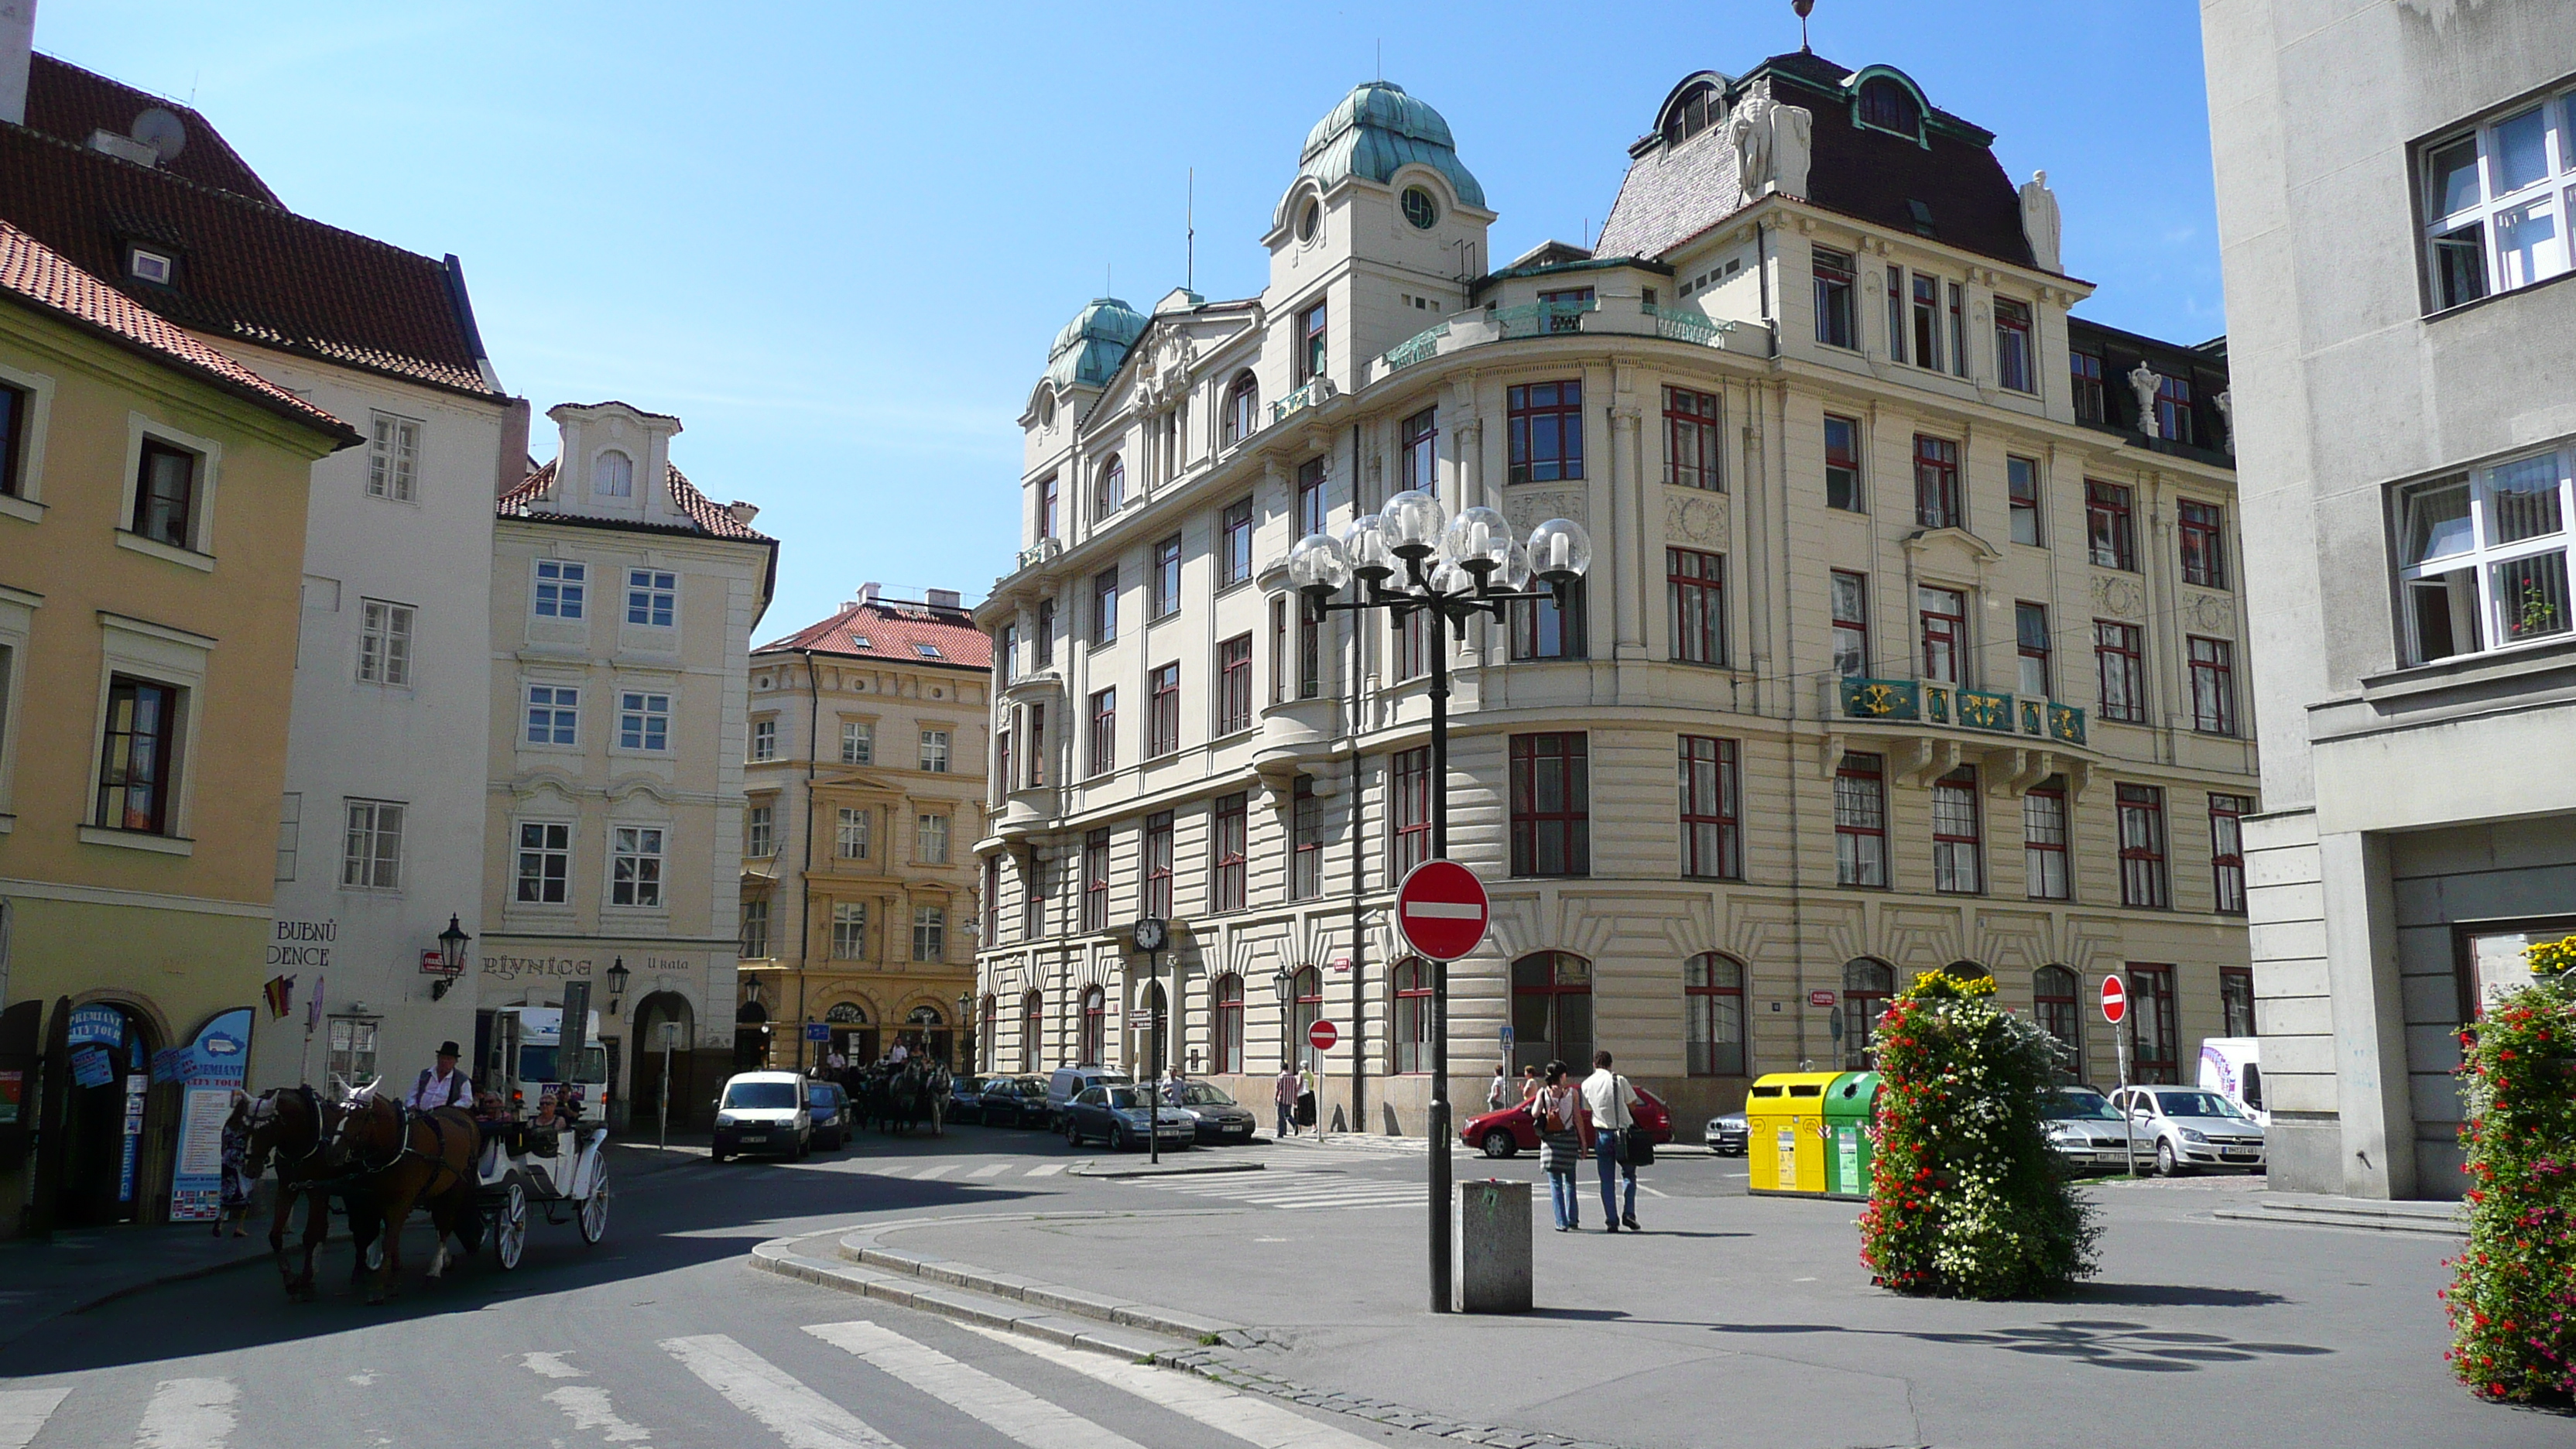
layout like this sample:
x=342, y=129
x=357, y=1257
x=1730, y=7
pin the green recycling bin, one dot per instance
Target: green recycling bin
x=1851, y=1109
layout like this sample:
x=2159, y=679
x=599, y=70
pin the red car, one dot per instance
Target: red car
x=1501, y=1134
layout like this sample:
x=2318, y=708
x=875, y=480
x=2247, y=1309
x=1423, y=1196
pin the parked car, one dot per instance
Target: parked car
x=1729, y=1134
x=2088, y=1132
x=966, y=1098
x=1220, y=1118
x=1513, y=1130
x=829, y=1108
x=2192, y=1128
x=1066, y=1083
x=1121, y=1116
x=763, y=1112
x=1014, y=1102
x=2232, y=1066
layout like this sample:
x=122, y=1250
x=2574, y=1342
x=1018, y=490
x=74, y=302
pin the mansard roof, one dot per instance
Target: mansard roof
x=894, y=630
x=707, y=518
x=1376, y=131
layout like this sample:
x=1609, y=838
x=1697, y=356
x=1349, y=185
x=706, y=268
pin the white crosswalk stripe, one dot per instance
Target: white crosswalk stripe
x=991, y=1169
x=1046, y=1169
x=1249, y=1417
x=800, y=1417
x=1292, y=1189
x=1006, y=1407
x=189, y=1414
x=24, y=1411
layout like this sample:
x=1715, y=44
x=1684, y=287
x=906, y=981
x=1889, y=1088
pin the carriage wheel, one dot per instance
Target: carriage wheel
x=594, y=1209
x=511, y=1235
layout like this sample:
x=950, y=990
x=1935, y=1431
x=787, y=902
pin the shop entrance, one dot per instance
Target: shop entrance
x=103, y=1131
x=652, y=1014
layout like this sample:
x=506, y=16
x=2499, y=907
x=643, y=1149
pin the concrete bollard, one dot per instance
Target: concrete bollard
x=1492, y=1247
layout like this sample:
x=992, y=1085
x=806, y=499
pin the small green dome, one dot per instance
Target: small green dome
x=1087, y=352
x=1378, y=128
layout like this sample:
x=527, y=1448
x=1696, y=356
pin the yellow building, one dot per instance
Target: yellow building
x=152, y=510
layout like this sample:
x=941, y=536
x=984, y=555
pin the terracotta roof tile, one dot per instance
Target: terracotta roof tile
x=891, y=630
x=40, y=276
x=67, y=102
x=706, y=516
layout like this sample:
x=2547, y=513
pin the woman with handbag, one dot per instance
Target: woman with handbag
x=1557, y=1110
x=1610, y=1098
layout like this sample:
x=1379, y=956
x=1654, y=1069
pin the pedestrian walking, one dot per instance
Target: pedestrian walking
x=1609, y=1097
x=1284, y=1092
x=1530, y=1083
x=1557, y=1110
x=1310, y=1100
x=233, y=1199
x=1497, y=1092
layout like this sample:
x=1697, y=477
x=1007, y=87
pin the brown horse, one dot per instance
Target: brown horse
x=404, y=1159
x=292, y=1126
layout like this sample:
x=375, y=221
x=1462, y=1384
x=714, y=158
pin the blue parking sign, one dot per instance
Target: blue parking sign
x=817, y=1031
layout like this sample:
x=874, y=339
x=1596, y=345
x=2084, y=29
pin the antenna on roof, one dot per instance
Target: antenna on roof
x=1381, y=57
x=1190, y=220
x=1803, y=7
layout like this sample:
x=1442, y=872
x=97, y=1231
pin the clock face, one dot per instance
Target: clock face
x=1149, y=934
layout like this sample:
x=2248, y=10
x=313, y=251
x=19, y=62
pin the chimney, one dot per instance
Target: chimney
x=17, y=44
x=123, y=148
x=943, y=599
x=743, y=513
x=868, y=593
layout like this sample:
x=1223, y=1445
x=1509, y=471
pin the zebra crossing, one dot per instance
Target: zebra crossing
x=1291, y=1187
x=728, y=1393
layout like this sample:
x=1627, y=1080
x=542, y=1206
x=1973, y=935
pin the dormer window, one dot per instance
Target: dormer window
x=613, y=475
x=146, y=265
x=1699, y=109
x=927, y=651
x=1886, y=104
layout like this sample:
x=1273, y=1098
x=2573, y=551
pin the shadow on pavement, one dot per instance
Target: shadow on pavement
x=2095, y=1343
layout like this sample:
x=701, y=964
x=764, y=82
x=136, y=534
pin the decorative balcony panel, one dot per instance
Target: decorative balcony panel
x=1540, y=319
x=1981, y=711
x=1687, y=326
x=1936, y=703
x=1422, y=346
x=1313, y=394
x=2065, y=722
x=1881, y=699
x=1933, y=702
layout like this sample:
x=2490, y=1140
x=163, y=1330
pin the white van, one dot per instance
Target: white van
x=2232, y=1066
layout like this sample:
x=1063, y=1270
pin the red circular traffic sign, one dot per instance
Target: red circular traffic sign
x=1441, y=910
x=1322, y=1035
x=2115, y=999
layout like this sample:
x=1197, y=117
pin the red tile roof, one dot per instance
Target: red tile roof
x=67, y=102
x=710, y=518
x=246, y=269
x=888, y=629
x=38, y=276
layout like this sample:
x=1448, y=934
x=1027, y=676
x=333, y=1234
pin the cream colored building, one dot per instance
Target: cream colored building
x=865, y=795
x=623, y=601
x=1877, y=526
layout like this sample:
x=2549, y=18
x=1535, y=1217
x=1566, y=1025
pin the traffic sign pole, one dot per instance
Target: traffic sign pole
x=1438, y=1123
x=2115, y=1010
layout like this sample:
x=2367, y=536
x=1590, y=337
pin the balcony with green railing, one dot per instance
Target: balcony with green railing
x=1934, y=702
x=1541, y=319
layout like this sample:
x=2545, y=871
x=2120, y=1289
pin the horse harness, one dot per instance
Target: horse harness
x=438, y=1129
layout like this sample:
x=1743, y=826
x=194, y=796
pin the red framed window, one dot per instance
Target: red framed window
x=1108, y=487
x=2213, y=685
x=1234, y=684
x=1095, y=1013
x=1412, y=633
x=1158, y=865
x=2236, y=1000
x=1228, y=818
x=1690, y=439
x=1048, y=503
x=2227, y=855
x=2120, y=656
x=1695, y=595
x=1033, y=737
x=1713, y=1008
x=1234, y=551
x=1310, y=658
x=1944, y=614
x=1104, y=731
x=1095, y=880
x=1310, y=497
x=1226, y=1027
x=2033, y=643
x=2021, y=489
x=2043, y=840
x=1306, y=841
x=1551, y=1009
x=1242, y=416
x=1868, y=985
x=1104, y=606
x=1167, y=577
x=1420, y=449
x=2143, y=881
x=2203, y=527
x=1032, y=1029
x=2173, y=409
x=1842, y=463
x=1547, y=431
x=1409, y=813
x=2085, y=371
x=1551, y=805
x=1833, y=275
x=1312, y=352
x=1712, y=832
x=1541, y=630
x=1163, y=701
x=1958, y=845
x=2012, y=345
x=1860, y=820
x=2110, y=526
x=2155, y=1036
x=1851, y=624
x=992, y=901
x=1936, y=482
x=1033, y=896
x=2054, y=1005
x=1411, y=1038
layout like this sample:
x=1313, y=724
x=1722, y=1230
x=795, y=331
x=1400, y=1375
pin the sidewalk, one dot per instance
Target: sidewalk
x=80, y=1269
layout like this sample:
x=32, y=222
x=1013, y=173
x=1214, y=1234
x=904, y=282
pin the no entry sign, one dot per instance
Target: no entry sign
x=1441, y=910
x=2115, y=999
x=1322, y=1035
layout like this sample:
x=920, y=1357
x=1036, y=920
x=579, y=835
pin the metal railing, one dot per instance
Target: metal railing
x=1540, y=319
x=1683, y=326
x=1313, y=394
x=1933, y=702
x=1420, y=347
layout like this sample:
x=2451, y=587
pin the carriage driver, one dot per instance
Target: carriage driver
x=442, y=1085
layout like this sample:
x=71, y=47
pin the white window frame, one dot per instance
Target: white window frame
x=2552, y=196
x=755, y=917
x=546, y=848
x=858, y=742
x=371, y=845
x=657, y=593
x=159, y=654
x=2482, y=557
x=569, y=575
x=929, y=933
x=638, y=711
x=930, y=839
x=760, y=831
x=936, y=751
x=850, y=833
x=17, y=627
x=602, y=485
x=342, y=1049
x=764, y=738
x=561, y=699
x=2046, y=873
x=849, y=930
x=200, y=552
x=393, y=458
x=384, y=642
x=636, y=856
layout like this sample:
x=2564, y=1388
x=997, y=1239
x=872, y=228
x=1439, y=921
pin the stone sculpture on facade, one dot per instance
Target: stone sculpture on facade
x=2039, y=221
x=2144, y=380
x=1773, y=144
x=2225, y=402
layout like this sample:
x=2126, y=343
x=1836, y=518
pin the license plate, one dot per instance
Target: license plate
x=755, y=1137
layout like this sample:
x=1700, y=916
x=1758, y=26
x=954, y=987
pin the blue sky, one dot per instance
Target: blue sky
x=836, y=239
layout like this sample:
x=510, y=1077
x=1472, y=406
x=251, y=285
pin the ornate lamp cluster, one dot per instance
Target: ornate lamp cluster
x=1411, y=555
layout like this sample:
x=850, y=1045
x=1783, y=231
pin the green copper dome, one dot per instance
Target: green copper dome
x=1378, y=128
x=1087, y=352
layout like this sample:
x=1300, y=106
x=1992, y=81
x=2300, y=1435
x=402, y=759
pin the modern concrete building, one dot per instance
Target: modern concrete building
x=623, y=601
x=865, y=794
x=2398, y=299
x=1913, y=639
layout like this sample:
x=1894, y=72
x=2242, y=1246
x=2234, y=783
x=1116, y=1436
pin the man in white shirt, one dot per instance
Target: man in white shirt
x=442, y=1085
x=1609, y=1098
x=897, y=1056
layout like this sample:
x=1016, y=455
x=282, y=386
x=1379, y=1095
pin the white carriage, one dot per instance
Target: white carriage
x=536, y=1160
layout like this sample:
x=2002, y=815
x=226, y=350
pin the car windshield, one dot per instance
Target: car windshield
x=2082, y=1107
x=761, y=1095
x=824, y=1094
x=1200, y=1094
x=1130, y=1098
x=2196, y=1104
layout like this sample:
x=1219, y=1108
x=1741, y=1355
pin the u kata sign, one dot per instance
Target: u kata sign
x=1441, y=910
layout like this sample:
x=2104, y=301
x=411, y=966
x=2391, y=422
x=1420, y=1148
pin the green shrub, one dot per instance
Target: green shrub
x=2513, y=1299
x=1968, y=1199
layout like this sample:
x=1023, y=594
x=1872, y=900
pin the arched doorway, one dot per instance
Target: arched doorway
x=103, y=1131
x=1306, y=1006
x=660, y=1014
x=750, y=1037
x=852, y=1036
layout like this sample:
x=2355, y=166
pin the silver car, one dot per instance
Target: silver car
x=2190, y=1128
x=2088, y=1132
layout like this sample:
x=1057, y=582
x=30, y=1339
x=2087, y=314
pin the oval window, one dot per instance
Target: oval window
x=1046, y=411
x=1310, y=221
x=1419, y=208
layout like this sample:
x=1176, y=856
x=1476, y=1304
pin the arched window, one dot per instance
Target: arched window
x=1032, y=1027
x=1713, y=994
x=1967, y=971
x=846, y=1013
x=988, y=1035
x=1306, y=1007
x=1889, y=106
x=1227, y=1028
x=1242, y=415
x=2054, y=1005
x=1867, y=985
x=1696, y=110
x=1552, y=1010
x=613, y=475
x=1108, y=487
x=1412, y=1035
x=1094, y=1005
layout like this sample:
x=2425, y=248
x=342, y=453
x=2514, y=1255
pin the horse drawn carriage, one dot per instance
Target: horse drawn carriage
x=552, y=1159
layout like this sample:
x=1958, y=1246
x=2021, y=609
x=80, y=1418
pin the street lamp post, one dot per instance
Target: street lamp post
x=1151, y=935
x=1411, y=558
x=966, y=1024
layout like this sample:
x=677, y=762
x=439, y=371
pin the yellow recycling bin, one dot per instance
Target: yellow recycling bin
x=1786, y=1114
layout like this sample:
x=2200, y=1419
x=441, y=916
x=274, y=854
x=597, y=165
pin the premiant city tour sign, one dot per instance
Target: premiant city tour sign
x=1441, y=909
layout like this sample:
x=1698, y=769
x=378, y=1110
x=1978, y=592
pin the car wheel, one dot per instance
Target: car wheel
x=2166, y=1164
x=717, y=1156
x=1499, y=1143
x=804, y=1148
x=1118, y=1137
x=1072, y=1134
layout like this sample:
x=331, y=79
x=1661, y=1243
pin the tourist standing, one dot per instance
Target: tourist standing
x=1609, y=1097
